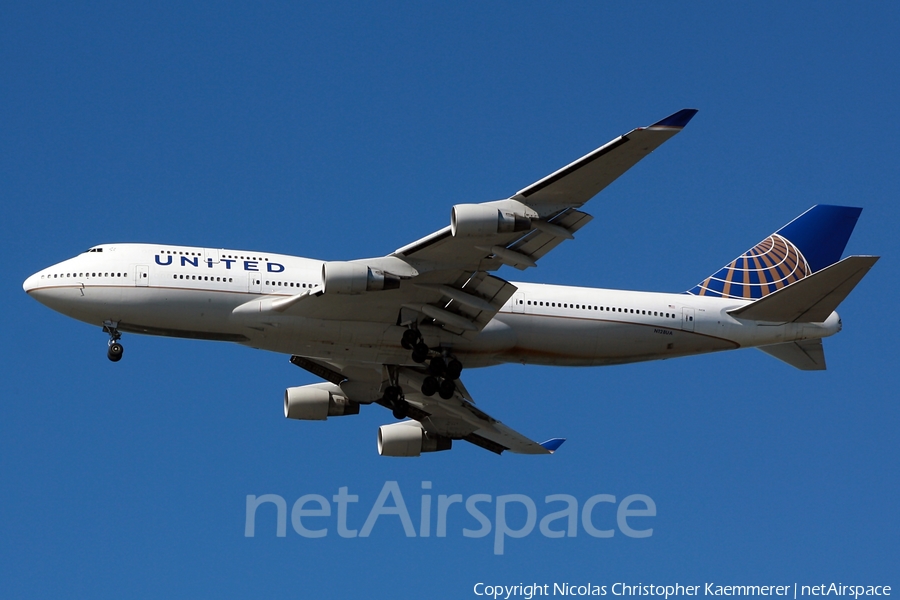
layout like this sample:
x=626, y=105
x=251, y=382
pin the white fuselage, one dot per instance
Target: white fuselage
x=193, y=292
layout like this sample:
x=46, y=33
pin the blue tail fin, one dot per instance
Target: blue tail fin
x=809, y=243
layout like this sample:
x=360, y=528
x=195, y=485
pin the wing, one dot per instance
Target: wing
x=458, y=418
x=547, y=210
x=444, y=279
x=455, y=418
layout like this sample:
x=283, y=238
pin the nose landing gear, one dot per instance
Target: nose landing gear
x=115, y=350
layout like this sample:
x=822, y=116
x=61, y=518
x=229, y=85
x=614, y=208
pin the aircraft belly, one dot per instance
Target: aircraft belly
x=593, y=342
x=178, y=309
x=351, y=341
x=549, y=340
x=622, y=343
x=155, y=309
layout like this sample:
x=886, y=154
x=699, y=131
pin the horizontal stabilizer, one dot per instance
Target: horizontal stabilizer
x=808, y=355
x=811, y=299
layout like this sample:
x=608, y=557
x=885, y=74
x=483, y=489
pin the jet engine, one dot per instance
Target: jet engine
x=475, y=220
x=317, y=402
x=407, y=438
x=355, y=278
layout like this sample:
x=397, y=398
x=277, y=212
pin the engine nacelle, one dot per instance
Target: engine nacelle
x=355, y=278
x=479, y=220
x=317, y=402
x=407, y=438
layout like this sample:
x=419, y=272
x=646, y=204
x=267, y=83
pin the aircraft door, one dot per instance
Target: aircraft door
x=687, y=319
x=254, y=284
x=518, y=302
x=211, y=256
x=142, y=275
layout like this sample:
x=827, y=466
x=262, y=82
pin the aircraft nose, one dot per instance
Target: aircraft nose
x=31, y=283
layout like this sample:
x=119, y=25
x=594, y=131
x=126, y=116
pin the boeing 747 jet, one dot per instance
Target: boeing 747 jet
x=399, y=330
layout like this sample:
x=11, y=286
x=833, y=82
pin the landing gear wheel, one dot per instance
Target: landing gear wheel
x=420, y=352
x=115, y=350
x=114, y=353
x=409, y=339
x=430, y=386
x=437, y=366
x=447, y=389
x=454, y=369
x=392, y=395
x=401, y=411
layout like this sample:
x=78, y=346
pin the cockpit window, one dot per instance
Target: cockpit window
x=95, y=250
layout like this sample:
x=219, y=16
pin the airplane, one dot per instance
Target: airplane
x=397, y=330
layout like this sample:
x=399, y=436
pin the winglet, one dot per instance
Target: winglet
x=677, y=120
x=553, y=444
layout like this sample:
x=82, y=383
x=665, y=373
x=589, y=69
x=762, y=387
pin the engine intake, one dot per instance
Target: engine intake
x=479, y=220
x=407, y=438
x=355, y=278
x=317, y=402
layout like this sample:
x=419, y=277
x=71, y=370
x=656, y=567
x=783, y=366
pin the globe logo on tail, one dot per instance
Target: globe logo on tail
x=769, y=266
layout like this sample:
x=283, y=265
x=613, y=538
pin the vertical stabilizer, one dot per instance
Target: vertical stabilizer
x=809, y=243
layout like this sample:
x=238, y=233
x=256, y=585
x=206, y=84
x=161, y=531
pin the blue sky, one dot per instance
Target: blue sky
x=345, y=130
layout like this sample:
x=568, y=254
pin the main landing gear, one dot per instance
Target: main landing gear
x=393, y=397
x=443, y=369
x=115, y=350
